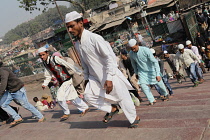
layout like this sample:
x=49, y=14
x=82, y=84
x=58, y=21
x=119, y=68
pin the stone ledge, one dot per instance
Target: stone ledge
x=33, y=78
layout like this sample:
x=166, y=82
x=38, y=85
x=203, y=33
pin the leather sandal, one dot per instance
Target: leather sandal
x=110, y=115
x=64, y=117
x=16, y=122
x=85, y=112
x=135, y=124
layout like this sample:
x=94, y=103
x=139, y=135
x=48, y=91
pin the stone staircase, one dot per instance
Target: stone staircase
x=184, y=117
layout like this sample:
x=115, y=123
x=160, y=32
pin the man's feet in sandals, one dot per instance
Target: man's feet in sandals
x=84, y=112
x=135, y=124
x=153, y=103
x=42, y=120
x=64, y=117
x=16, y=122
x=110, y=115
x=166, y=98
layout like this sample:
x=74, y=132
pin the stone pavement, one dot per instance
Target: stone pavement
x=185, y=117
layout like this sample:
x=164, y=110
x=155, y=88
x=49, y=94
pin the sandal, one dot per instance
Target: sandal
x=153, y=103
x=83, y=113
x=42, y=120
x=16, y=122
x=135, y=124
x=166, y=98
x=109, y=116
x=64, y=117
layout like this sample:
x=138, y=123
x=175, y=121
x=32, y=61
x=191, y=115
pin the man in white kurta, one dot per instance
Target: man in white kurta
x=104, y=80
x=57, y=67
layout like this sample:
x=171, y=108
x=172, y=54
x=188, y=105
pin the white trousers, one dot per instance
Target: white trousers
x=78, y=102
x=121, y=92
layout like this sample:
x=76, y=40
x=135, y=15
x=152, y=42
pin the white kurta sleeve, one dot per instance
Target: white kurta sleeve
x=48, y=78
x=194, y=57
x=84, y=66
x=103, y=49
x=60, y=61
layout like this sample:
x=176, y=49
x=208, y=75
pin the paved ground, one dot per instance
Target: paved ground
x=184, y=117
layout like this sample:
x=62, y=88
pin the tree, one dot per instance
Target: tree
x=81, y=5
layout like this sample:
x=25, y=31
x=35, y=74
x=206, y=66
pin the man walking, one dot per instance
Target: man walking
x=12, y=88
x=57, y=67
x=197, y=67
x=103, y=79
x=188, y=58
x=147, y=68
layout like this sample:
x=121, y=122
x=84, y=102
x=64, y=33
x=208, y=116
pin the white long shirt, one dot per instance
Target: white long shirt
x=195, y=51
x=99, y=64
x=186, y=58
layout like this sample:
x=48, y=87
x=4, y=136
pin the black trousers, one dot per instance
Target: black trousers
x=3, y=114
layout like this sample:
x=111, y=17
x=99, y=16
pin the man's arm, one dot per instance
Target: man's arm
x=103, y=49
x=60, y=61
x=48, y=78
x=154, y=61
x=193, y=56
x=3, y=81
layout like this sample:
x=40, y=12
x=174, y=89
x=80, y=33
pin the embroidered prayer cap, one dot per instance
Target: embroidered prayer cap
x=181, y=46
x=165, y=52
x=42, y=49
x=132, y=42
x=72, y=16
x=152, y=50
x=188, y=42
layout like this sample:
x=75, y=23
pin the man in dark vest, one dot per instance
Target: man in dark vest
x=57, y=67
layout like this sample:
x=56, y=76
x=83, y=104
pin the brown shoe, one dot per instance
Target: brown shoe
x=85, y=112
x=64, y=117
x=42, y=120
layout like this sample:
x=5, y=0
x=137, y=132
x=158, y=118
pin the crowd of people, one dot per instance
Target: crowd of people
x=103, y=76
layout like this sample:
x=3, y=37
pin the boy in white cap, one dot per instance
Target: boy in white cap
x=103, y=79
x=188, y=58
x=59, y=68
x=196, y=52
x=147, y=69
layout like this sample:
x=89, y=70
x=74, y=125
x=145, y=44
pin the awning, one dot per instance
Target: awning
x=153, y=12
x=112, y=24
x=172, y=4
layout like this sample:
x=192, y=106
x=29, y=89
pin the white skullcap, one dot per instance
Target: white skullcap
x=163, y=41
x=152, y=50
x=42, y=49
x=165, y=52
x=72, y=16
x=203, y=48
x=181, y=46
x=132, y=42
x=188, y=42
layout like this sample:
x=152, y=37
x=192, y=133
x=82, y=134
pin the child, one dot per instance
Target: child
x=39, y=105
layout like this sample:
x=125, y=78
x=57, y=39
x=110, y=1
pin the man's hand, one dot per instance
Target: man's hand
x=158, y=78
x=108, y=86
x=43, y=87
x=68, y=102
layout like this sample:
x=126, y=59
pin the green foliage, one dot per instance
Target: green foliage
x=35, y=25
